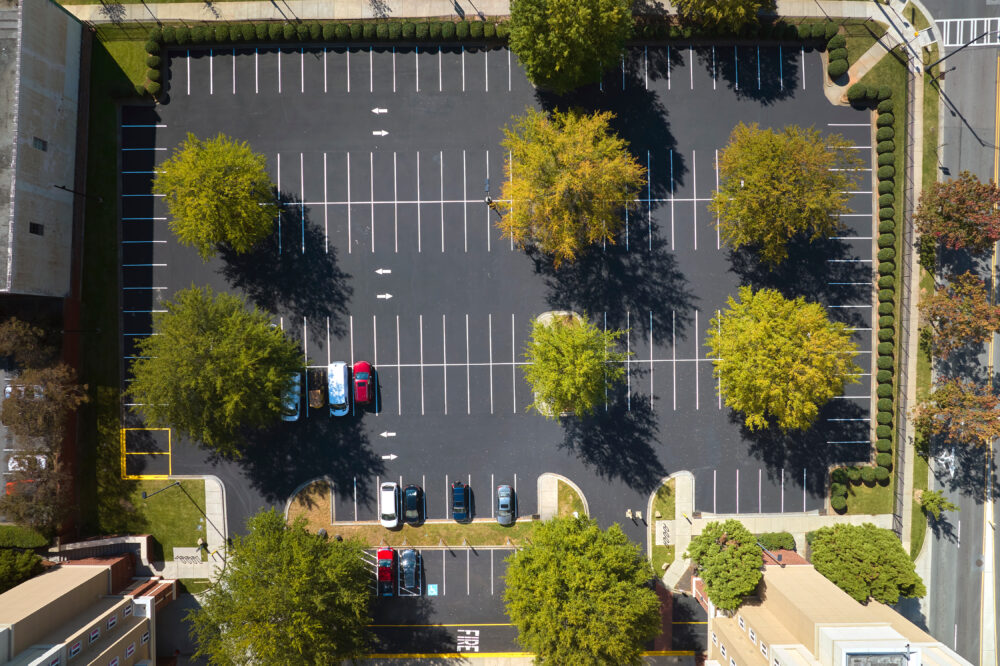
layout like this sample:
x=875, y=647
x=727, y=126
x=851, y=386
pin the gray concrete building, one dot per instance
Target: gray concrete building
x=39, y=95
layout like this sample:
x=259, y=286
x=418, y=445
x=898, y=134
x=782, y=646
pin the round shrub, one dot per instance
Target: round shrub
x=887, y=159
x=885, y=106
x=838, y=489
x=490, y=31
x=382, y=31
x=837, y=68
x=803, y=31
x=818, y=31
x=476, y=30
x=341, y=31
x=856, y=93
x=885, y=147
x=883, y=445
x=288, y=32
x=315, y=31
x=886, y=213
x=153, y=88
x=221, y=33
x=886, y=240
x=462, y=30
x=169, y=35
x=838, y=503
x=886, y=187
x=887, y=349
x=248, y=32
x=884, y=93
x=854, y=475
x=871, y=92
x=329, y=32
x=883, y=418
x=884, y=391
x=883, y=432
x=434, y=30
x=884, y=134
x=881, y=475
x=777, y=540
x=789, y=32
x=886, y=199
x=886, y=282
x=183, y=34
x=502, y=30
x=884, y=460
x=140, y=90
x=153, y=74
x=199, y=34
x=261, y=30
x=886, y=267
x=369, y=30
x=837, y=42
x=886, y=334
x=838, y=476
x=886, y=295
x=275, y=31
x=395, y=30
x=421, y=30
x=357, y=30
x=868, y=475
x=886, y=308
x=830, y=29
x=155, y=35
x=884, y=404
x=886, y=253
x=888, y=171
x=837, y=54
x=409, y=30
x=884, y=362
x=886, y=226
x=887, y=321
x=152, y=61
x=885, y=120
x=448, y=30
x=152, y=47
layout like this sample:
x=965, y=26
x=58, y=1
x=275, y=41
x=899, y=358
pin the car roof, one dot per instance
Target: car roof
x=385, y=552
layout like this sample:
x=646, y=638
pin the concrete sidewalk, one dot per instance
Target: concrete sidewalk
x=216, y=534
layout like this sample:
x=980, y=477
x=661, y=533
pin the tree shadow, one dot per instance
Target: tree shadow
x=293, y=272
x=956, y=262
x=741, y=68
x=643, y=281
x=968, y=471
x=943, y=528
x=966, y=362
x=618, y=444
x=406, y=625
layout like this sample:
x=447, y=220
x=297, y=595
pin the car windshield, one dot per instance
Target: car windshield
x=412, y=513
x=339, y=405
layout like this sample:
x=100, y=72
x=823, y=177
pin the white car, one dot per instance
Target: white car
x=389, y=508
x=337, y=384
x=14, y=463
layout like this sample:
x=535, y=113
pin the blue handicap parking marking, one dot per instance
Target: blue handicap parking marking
x=432, y=590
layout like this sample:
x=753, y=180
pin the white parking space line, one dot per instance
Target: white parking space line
x=188, y=60
x=441, y=180
x=714, y=486
x=697, y=370
x=421, y=365
x=326, y=216
x=718, y=381
x=371, y=71
x=355, y=499
x=439, y=69
x=350, y=321
x=513, y=364
x=491, y=361
x=444, y=356
x=348, y=69
x=508, y=70
x=510, y=179
x=302, y=196
x=758, y=490
x=628, y=350
x=375, y=342
x=465, y=204
x=349, y=243
x=467, y=555
x=234, y=71
x=468, y=401
x=371, y=193
x=279, y=202
x=645, y=67
x=713, y=68
x=395, y=206
x=736, y=65
x=673, y=351
x=782, y=490
x=651, y=359
x=737, y=490
x=393, y=69
x=279, y=70
x=694, y=188
x=302, y=69
x=671, y=198
x=491, y=571
x=802, y=65
x=492, y=496
x=324, y=69
x=486, y=68
x=691, y=61
x=416, y=64
x=419, y=234
x=669, y=67
x=328, y=359
x=488, y=234
x=758, y=67
x=803, y=489
x=463, y=69
x=399, y=372
x=444, y=575
x=718, y=240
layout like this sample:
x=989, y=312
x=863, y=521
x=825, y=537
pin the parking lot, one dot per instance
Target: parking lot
x=386, y=252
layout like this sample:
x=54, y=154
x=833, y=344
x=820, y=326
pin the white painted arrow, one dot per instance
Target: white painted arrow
x=384, y=296
x=379, y=132
x=391, y=456
x=383, y=271
x=377, y=110
x=386, y=433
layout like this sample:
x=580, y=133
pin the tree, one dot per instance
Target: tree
x=934, y=502
x=730, y=15
x=961, y=410
x=960, y=314
x=779, y=359
x=961, y=214
x=17, y=566
x=211, y=368
x=24, y=342
x=580, y=595
x=563, y=44
x=867, y=562
x=217, y=192
x=570, y=364
x=39, y=498
x=41, y=400
x=285, y=596
x=568, y=179
x=728, y=560
x=776, y=186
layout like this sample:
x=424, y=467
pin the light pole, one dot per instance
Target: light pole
x=177, y=483
x=145, y=496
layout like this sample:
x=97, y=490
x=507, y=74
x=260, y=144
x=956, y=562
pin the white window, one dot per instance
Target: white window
x=127, y=611
x=95, y=633
x=113, y=662
x=722, y=650
x=74, y=649
x=54, y=661
x=130, y=650
x=145, y=637
x=743, y=625
x=732, y=662
x=753, y=636
x=112, y=621
x=715, y=639
x=763, y=649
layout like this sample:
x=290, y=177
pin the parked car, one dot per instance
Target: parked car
x=389, y=505
x=37, y=392
x=336, y=388
x=15, y=463
x=459, y=501
x=506, y=513
x=413, y=505
x=26, y=487
x=364, y=382
x=316, y=385
x=409, y=565
x=386, y=571
x=290, y=403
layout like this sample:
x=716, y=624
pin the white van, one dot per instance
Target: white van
x=337, y=384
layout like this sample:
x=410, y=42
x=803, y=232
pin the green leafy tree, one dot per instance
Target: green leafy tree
x=39, y=498
x=211, y=368
x=17, y=566
x=730, y=15
x=728, y=560
x=960, y=214
x=563, y=44
x=933, y=502
x=779, y=359
x=960, y=314
x=581, y=595
x=867, y=562
x=569, y=177
x=778, y=185
x=285, y=596
x=25, y=342
x=570, y=364
x=40, y=401
x=217, y=192
x=961, y=410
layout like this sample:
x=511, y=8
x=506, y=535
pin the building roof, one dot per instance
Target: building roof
x=32, y=595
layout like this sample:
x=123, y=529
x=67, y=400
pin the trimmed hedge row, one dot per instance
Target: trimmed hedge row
x=836, y=53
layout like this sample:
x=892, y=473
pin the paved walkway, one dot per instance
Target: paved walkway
x=216, y=533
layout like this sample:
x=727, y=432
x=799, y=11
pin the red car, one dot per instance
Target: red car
x=386, y=571
x=20, y=487
x=364, y=382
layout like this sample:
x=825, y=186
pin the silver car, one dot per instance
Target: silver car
x=506, y=508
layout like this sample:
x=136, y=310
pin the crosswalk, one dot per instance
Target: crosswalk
x=957, y=32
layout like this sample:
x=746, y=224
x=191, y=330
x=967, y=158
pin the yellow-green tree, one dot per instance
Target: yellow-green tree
x=777, y=185
x=569, y=178
x=217, y=192
x=727, y=14
x=779, y=359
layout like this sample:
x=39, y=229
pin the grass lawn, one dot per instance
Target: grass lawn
x=860, y=38
x=174, y=517
x=870, y=500
x=192, y=585
x=664, y=502
x=932, y=91
x=569, y=501
x=915, y=17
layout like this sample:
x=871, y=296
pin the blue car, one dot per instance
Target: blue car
x=290, y=404
x=337, y=383
x=460, y=502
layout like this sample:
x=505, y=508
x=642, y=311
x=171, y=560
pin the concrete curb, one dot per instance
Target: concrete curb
x=302, y=486
x=551, y=512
